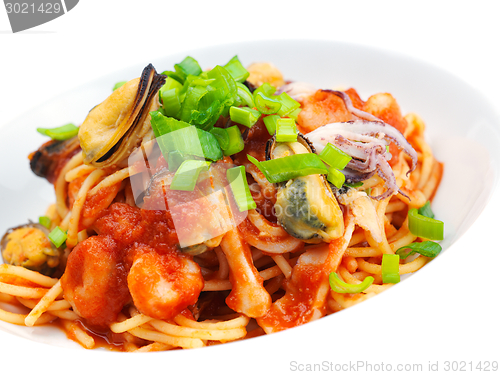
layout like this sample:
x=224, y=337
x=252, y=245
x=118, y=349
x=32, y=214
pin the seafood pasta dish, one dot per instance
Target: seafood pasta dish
x=198, y=207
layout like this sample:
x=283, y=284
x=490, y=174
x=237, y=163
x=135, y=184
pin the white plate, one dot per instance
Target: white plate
x=461, y=128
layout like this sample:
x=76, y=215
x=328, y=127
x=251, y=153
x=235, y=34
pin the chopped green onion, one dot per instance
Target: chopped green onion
x=427, y=249
x=334, y=157
x=295, y=114
x=60, y=133
x=175, y=159
x=57, y=237
x=265, y=88
x=286, y=130
x=236, y=69
x=191, y=101
x=390, y=269
x=224, y=84
x=170, y=84
x=265, y=104
x=425, y=227
x=354, y=184
x=45, y=221
x=336, y=177
x=236, y=143
x=172, y=134
x=187, y=175
x=171, y=102
x=288, y=104
x=119, y=84
x=340, y=286
x=270, y=122
x=239, y=186
x=245, y=95
x=426, y=210
x=222, y=137
x=289, y=167
x=244, y=115
x=188, y=66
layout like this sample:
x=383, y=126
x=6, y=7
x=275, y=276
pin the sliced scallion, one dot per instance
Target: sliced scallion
x=171, y=102
x=265, y=104
x=289, y=167
x=390, y=269
x=288, y=104
x=60, y=133
x=118, y=85
x=45, y=221
x=427, y=249
x=270, y=122
x=188, y=66
x=286, y=130
x=245, y=96
x=265, y=88
x=236, y=69
x=334, y=157
x=340, y=286
x=236, y=143
x=187, y=175
x=336, y=177
x=244, y=115
x=175, y=159
x=172, y=134
x=425, y=227
x=239, y=186
x=58, y=237
x=426, y=210
x=222, y=137
x=295, y=113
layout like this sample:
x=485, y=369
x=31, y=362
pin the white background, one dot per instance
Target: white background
x=459, y=323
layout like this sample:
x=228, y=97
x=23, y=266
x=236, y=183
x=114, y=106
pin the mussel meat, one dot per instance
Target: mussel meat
x=114, y=128
x=28, y=246
x=305, y=206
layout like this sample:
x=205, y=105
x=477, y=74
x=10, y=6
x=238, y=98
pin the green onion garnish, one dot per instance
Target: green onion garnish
x=266, y=89
x=172, y=134
x=239, y=186
x=426, y=210
x=270, y=122
x=188, y=66
x=245, y=96
x=334, y=157
x=171, y=102
x=175, y=159
x=286, y=130
x=289, y=167
x=236, y=143
x=265, y=104
x=354, y=184
x=294, y=114
x=427, y=249
x=390, y=269
x=244, y=115
x=236, y=69
x=45, y=221
x=222, y=137
x=288, y=104
x=119, y=84
x=425, y=227
x=60, y=133
x=187, y=175
x=335, y=177
x=57, y=237
x=340, y=286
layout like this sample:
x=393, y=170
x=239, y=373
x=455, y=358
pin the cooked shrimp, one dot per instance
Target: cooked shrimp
x=95, y=280
x=163, y=284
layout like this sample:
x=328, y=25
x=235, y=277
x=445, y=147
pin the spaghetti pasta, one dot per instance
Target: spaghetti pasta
x=127, y=269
